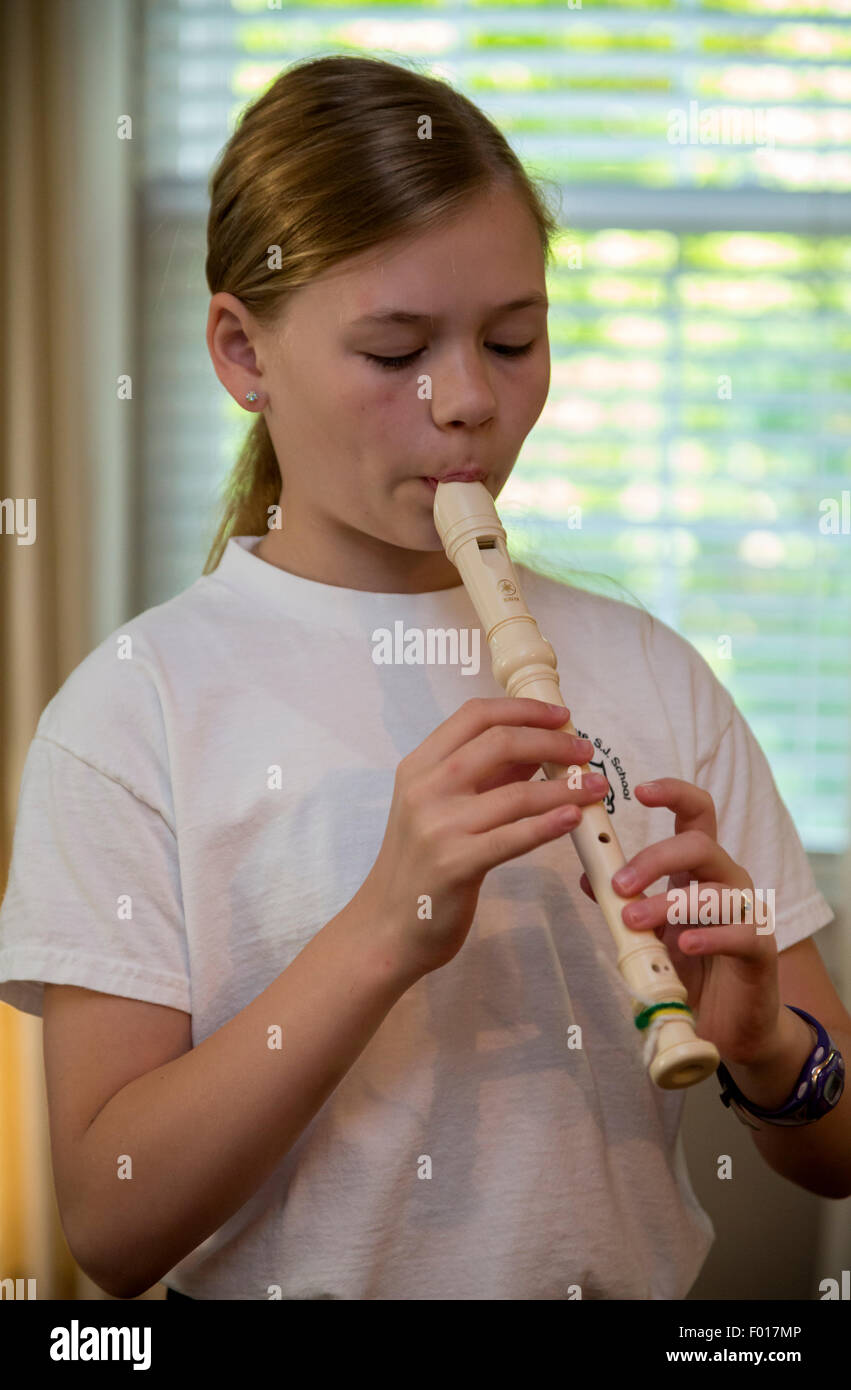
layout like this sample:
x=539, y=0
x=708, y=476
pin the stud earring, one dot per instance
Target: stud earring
x=251, y=396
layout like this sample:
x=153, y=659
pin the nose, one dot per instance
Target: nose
x=461, y=393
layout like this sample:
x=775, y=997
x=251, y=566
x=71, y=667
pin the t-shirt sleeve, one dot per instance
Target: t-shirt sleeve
x=93, y=896
x=757, y=831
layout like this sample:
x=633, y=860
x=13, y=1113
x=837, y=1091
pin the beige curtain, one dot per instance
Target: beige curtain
x=65, y=277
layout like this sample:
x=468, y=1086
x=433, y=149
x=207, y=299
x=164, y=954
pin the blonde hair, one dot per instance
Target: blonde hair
x=325, y=164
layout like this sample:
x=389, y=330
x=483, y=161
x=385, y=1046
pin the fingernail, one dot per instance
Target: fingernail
x=625, y=878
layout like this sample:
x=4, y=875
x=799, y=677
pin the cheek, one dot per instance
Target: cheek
x=369, y=419
x=543, y=393
x=385, y=412
x=359, y=390
x=358, y=412
x=531, y=394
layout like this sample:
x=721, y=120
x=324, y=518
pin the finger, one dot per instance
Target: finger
x=692, y=850
x=693, y=807
x=585, y=885
x=489, y=810
x=647, y=914
x=499, y=748
x=517, y=772
x=740, y=940
x=504, y=842
x=711, y=900
x=476, y=715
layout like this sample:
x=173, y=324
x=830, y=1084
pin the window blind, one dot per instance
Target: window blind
x=695, y=444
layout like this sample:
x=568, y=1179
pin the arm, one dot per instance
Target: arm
x=205, y=1130
x=742, y=987
x=816, y=1157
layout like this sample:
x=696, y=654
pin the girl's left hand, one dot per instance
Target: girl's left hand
x=730, y=972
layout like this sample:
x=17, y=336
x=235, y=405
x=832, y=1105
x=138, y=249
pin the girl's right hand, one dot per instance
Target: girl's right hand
x=462, y=803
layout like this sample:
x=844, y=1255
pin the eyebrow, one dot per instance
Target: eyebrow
x=403, y=316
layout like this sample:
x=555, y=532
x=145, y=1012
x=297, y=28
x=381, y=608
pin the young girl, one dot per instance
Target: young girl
x=327, y=1012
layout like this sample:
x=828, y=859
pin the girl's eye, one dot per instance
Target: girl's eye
x=395, y=363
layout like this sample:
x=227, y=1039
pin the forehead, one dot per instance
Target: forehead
x=472, y=262
x=534, y=299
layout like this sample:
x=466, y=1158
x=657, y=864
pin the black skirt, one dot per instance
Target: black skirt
x=172, y=1293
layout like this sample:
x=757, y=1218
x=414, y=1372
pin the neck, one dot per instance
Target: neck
x=381, y=569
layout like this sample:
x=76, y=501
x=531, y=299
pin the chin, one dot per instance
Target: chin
x=430, y=545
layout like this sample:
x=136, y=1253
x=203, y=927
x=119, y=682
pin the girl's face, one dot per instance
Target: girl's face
x=356, y=438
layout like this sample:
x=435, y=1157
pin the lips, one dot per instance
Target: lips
x=470, y=475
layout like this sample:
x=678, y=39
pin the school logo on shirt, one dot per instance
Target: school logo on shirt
x=615, y=772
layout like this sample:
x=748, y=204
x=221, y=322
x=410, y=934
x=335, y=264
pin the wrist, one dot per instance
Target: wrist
x=384, y=942
x=769, y=1082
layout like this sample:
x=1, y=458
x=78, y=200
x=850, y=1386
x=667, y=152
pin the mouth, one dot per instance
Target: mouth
x=470, y=475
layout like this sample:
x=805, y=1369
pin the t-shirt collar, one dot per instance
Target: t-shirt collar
x=329, y=605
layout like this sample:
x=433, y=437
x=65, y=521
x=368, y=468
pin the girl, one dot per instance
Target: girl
x=326, y=1011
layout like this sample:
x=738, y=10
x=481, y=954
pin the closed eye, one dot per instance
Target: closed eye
x=395, y=363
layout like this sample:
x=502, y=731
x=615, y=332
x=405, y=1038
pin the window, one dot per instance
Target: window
x=699, y=410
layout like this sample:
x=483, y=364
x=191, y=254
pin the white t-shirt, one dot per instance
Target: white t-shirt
x=550, y=1166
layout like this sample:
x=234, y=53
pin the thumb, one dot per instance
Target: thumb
x=585, y=885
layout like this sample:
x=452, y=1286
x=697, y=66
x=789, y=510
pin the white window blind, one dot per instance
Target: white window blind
x=699, y=409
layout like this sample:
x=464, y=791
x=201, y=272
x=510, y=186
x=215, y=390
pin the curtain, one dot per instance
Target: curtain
x=64, y=581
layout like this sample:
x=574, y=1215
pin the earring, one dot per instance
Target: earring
x=251, y=396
